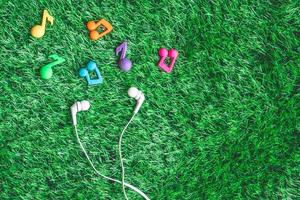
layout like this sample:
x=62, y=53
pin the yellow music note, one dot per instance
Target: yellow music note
x=38, y=31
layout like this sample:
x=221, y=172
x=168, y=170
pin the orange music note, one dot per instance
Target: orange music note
x=38, y=31
x=92, y=26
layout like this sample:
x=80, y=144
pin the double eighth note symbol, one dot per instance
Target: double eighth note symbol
x=91, y=68
x=38, y=31
x=93, y=26
x=163, y=54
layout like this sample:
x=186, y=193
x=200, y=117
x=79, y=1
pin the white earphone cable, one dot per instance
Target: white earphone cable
x=120, y=154
x=106, y=177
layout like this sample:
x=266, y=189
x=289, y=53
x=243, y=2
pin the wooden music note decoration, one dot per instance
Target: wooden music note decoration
x=93, y=26
x=38, y=31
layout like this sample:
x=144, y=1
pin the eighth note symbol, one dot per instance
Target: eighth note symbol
x=91, y=67
x=46, y=71
x=124, y=63
x=38, y=31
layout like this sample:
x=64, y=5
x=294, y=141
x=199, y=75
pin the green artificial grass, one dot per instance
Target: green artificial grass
x=224, y=124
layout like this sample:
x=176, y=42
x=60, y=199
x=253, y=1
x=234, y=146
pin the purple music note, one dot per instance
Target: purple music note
x=124, y=63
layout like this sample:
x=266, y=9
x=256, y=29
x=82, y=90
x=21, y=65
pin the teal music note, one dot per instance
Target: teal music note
x=91, y=67
x=46, y=71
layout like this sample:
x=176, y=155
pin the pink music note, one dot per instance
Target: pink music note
x=164, y=53
x=124, y=63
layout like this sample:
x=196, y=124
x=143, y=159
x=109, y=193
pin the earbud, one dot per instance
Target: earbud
x=138, y=95
x=77, y=107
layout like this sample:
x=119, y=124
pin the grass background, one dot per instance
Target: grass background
x=223, y=125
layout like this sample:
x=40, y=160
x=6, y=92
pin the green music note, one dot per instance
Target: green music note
x=46, y=71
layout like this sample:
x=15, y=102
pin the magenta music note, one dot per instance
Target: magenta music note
x=164, y=53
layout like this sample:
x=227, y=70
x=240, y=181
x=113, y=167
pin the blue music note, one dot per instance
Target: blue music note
x=91, y=67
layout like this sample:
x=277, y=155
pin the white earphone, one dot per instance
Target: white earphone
x=85, y=105
x=77, y=107
x=139, y=97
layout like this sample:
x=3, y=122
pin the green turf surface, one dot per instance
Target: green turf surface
x=223, y=125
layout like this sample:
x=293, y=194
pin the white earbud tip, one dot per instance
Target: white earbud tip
x=85, y=105
x=133, y=92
